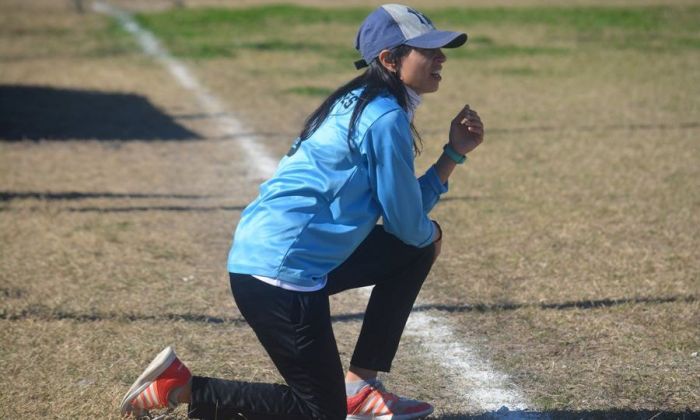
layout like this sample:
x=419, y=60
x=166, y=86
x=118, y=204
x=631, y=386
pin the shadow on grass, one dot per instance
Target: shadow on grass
x=616, y=127
x=75, y=195
x=575, y=415
x=7, y=196
x=46, y=113
x=499, y=307
x=133, y=209
x=41, y=312
x=582, y=304
x=45, y=313
x=136, y=209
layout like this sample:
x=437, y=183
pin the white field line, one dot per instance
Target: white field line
x=260, y=161
x=484, y=388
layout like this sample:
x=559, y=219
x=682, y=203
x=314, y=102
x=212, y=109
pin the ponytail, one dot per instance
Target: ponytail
x=375, y=80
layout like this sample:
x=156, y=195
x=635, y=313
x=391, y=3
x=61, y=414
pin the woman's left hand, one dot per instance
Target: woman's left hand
x=466, y=131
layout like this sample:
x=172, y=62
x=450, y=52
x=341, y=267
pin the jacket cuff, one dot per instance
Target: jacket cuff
x=434, y=181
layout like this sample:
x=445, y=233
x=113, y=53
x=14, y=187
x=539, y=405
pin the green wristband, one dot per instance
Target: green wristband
x=456, y=157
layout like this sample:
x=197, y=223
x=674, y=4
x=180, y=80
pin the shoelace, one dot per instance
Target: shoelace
x=380, y=386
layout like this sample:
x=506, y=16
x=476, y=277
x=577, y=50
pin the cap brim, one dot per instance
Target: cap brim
x=438, y=39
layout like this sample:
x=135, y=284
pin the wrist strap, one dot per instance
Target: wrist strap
x=452, y=154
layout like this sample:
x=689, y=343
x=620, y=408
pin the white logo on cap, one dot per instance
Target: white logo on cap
x=411, y=22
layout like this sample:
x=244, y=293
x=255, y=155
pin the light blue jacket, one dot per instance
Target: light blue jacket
x=325, y=197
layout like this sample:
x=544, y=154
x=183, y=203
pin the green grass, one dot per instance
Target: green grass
x=257, y=19
x=204, y=33
x=579, y=18
x=191, y=21
x=187, y=31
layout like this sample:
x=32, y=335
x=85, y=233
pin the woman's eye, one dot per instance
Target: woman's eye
x=428, y=52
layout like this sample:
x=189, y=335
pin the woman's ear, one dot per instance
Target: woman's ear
x=385, y=57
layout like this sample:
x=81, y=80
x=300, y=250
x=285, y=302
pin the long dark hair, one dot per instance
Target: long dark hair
x=376, y=80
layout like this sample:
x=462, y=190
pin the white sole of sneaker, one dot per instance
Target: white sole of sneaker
x=424, y=414
x=157, y=366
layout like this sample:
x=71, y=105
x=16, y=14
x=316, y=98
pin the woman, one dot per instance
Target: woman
x=313, y=232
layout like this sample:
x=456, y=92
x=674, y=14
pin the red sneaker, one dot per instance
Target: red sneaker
x=374, y=402
x=152, y=389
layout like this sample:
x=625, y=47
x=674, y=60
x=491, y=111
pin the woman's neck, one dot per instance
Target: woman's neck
x=414, y=100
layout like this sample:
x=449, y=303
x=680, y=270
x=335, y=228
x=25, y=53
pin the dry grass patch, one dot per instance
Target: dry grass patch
x=37, y=29
x=108, y=246
x=129, y=262
x=586, y=190
x=638, y=355
x=74, y=369
x=592, y=214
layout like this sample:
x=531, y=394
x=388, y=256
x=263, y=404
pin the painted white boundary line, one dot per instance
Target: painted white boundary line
x=485, y=388
x=261, y=163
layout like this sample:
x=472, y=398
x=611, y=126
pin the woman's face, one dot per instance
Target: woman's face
x=420, y=69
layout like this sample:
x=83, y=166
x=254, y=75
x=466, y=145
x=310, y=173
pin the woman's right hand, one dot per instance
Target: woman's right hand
x=466, y=131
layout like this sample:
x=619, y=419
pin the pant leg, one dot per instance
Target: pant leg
x=295, y=330
x=397, y=270
x=214, y=398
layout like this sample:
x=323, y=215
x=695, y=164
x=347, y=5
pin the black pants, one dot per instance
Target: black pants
x=295, y=330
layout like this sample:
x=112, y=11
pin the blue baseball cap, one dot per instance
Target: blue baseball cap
x=392, y=25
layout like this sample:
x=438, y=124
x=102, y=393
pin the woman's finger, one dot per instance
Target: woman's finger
x=470, y=118
x=476, y=130
x=473, y=123
x=467, y=116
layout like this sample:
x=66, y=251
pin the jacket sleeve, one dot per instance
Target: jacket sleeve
x=431, y=188
x=389, y=150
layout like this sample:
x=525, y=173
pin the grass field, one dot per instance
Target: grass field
x=571, y=236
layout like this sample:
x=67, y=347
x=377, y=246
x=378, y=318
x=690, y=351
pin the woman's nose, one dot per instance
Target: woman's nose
x=440, y=56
